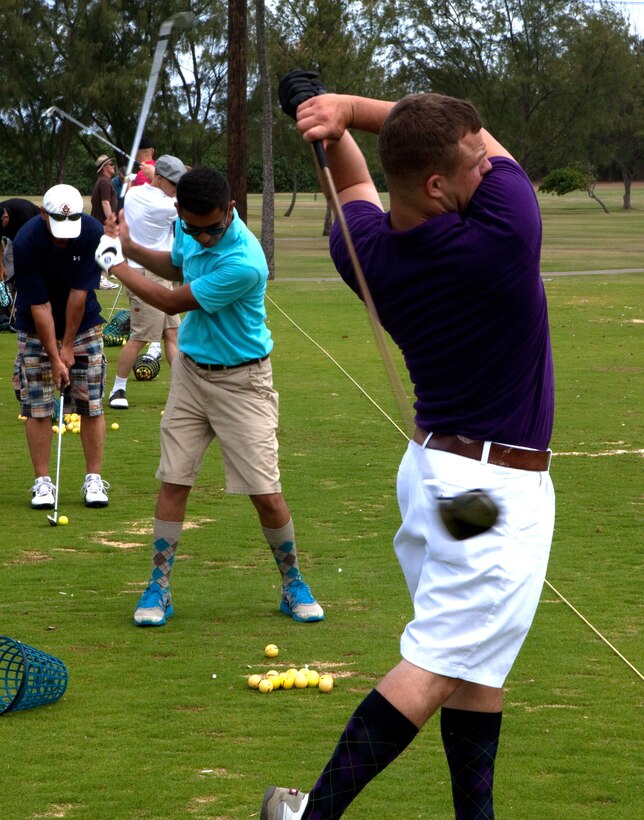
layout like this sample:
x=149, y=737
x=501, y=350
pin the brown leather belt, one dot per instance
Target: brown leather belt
x=204, y=366
x=500, y=454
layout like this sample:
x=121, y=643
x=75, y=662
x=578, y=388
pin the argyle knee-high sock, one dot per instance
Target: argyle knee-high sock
x=165, y=536
x=374, y=736
x=282, y=544
x=471, y=740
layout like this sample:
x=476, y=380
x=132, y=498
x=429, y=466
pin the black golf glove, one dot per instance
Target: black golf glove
x=296, y=87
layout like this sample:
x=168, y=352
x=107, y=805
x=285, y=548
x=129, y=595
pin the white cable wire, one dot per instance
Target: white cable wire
x=402, y=432
x=597, y=632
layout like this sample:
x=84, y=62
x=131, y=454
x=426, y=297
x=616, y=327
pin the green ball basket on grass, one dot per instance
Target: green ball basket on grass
x=146, y=367
x=118, y=330
x=28, y=677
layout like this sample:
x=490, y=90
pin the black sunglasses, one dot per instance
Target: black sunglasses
x=211, y=230
x=63, y=217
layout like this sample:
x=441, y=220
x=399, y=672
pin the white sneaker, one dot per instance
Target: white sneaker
x=43, y=494
x=118, y=400
x=94, y=491
x=154, y=350
x=106, y=284
x=283, y=804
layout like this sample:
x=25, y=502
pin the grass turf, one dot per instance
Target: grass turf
x=145, y=730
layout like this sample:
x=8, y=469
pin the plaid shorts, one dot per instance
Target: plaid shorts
x=34, y=384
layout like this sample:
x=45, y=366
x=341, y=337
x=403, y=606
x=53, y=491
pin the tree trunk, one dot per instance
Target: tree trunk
x=628, y=179
x=328, y=220
x=268, y=177
x=237, y=116
x=289, y=210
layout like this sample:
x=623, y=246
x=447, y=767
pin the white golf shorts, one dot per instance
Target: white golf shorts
x=474, y=600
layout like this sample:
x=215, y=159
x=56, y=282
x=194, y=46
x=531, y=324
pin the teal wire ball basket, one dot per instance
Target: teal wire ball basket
x=28, y=677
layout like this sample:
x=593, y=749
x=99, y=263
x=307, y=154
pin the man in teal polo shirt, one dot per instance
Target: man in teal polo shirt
x=221, y=382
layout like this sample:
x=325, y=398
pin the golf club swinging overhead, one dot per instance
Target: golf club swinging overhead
x=54, y=109
x=471, y=512
x=53, y=519
x=181, y=20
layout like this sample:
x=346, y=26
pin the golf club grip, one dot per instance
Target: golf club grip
x=320, y=154
x=385, y=352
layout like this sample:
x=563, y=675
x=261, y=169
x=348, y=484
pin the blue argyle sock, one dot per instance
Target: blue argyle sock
x=374, y=736
x=471, y=740
x=165, y=536
x=282, y=544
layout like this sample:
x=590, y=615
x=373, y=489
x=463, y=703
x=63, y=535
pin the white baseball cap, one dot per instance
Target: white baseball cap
x=64, y=205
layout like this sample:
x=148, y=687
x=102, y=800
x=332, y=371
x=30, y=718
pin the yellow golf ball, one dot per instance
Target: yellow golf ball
x=271, y=651
x=313, y=677
x=62, y=519
x=326, y=683
x=115, y=426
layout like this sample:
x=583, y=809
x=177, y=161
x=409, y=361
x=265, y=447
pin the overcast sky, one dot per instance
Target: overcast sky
x=634, y=11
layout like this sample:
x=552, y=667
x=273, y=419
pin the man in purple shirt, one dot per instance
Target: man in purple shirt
x=453, y=270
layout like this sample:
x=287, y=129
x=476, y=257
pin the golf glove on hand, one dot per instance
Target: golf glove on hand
x=296, y=87
x=109, y=252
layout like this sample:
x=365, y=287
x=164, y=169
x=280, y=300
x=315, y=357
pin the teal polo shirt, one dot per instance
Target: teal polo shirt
x=229, y=282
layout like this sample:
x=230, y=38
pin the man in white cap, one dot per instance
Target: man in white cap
x=60, y=344
x=151, y=214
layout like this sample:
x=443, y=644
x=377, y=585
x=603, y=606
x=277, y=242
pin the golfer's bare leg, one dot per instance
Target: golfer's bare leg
x=170, y=343
x=92, y=433
x=130, y=351
x=416, y=692
x=172, y=501
x=272, y=510
x=39, y=434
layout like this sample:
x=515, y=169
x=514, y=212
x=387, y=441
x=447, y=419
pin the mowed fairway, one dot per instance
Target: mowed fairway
x=160, y=724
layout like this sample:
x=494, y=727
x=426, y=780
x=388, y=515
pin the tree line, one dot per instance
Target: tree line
x=559, y=82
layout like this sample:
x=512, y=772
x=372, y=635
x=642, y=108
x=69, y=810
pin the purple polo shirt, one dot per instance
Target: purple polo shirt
x=462, y=297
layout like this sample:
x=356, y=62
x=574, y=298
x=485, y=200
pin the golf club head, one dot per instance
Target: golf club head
x=468, y=514
x=50, y=111
x=183, y=19
x=53, y=519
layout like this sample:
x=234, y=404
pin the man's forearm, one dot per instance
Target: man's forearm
x=45, y=330
x=74, y=315
x=168, y=300
x=368, y=114
x=159, y=262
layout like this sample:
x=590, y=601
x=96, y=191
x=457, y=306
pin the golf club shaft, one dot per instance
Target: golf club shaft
x=181, y=20
x=118, y=293
x=54, y=109
x=394, y=377
x=60, y=441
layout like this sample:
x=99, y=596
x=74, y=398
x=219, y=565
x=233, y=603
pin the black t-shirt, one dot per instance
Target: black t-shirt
x=20, y=211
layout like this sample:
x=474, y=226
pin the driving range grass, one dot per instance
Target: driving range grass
x=145, y=730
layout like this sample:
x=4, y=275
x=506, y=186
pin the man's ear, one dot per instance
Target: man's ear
x=434, y=186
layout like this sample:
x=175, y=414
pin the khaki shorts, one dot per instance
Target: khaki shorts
x=147, y=323
x=239, y=407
